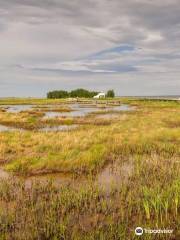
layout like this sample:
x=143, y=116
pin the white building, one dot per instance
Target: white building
x=100, y=95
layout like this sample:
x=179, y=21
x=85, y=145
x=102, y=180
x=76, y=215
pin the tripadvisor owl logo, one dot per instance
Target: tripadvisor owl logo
x=139, y=231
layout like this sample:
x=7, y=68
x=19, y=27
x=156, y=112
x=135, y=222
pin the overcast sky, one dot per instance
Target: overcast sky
x=132, y=46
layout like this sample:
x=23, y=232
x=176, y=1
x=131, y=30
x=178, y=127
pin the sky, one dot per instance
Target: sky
x=131, y=46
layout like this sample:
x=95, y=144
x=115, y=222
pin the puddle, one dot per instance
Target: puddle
x=77, y=111
x=87, y=105
x=111, y=176
x=52, y=114
x=8, y=129
x=59, y=179
x=122, y=108
x=110, y=115
x=4, y=174
x=114, y=175
x=16, y=108
x=58, y=128
x=107, y=116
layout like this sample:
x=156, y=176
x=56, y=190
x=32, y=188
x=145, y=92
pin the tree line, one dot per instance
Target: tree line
x=80, y=92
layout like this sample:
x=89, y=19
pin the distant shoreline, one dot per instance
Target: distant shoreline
x=128, y=96
x=152, y=97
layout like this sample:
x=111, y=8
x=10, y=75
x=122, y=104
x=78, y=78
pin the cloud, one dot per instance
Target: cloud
x=75, y=43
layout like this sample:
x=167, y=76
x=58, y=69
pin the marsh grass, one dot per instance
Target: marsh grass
x=144, y=132
x=33, y=119
x=150, y=198
x=32, y=101
x=43, y=101
x=53, y=109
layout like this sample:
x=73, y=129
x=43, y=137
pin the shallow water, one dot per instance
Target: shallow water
x=58, y=128
x=107, y=116
x=113, y=175
x=77, y=111
x=4, y=174
x=7, y=128
x=16, y=108
x=52, y=114
x=122, y=108
x=80, y=110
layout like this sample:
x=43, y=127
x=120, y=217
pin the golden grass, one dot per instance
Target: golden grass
x=149, y=137
x=144, y=131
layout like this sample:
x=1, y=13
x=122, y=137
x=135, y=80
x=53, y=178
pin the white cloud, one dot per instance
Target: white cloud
x=52, y=40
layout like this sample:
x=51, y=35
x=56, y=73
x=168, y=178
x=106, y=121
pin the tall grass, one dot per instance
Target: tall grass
x=150, y=198
x=44, y=211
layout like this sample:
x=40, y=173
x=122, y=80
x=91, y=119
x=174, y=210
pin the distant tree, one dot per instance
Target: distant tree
x=93, y=93
x=49, y=95
x=110, y=94
x=80, y=92
x=58, y=94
